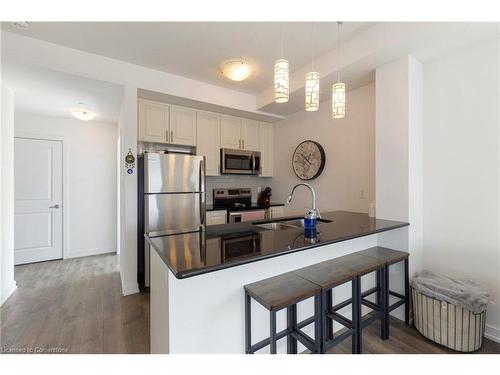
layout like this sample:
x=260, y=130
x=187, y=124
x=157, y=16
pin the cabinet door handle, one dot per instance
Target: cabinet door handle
x=166, y=135
x=239, y=144
x=171, y=136
x=243, y=141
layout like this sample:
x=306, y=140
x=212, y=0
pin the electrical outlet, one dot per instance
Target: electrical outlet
x=362, y=194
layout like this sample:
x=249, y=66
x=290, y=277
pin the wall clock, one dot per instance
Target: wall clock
x=308, y=160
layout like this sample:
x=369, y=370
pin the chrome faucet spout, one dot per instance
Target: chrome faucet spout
x=313, y=193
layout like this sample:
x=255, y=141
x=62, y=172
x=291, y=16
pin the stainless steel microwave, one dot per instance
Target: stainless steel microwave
x=240, y=161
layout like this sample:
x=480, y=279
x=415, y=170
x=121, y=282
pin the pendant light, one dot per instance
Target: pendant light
x=312, y=82
x=338, y=89
x=281, y=77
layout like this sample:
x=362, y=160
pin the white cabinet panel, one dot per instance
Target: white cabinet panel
x=153, y=121
x=216, y=217
x=182, y=126
x=208, y=140
x=266, y=149
x=230, y=132
x=250, y=130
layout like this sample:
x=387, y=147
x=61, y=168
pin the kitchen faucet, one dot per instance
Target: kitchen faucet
x=314, y=208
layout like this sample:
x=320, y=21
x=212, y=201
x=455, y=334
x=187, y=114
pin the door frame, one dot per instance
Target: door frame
x=65, y=180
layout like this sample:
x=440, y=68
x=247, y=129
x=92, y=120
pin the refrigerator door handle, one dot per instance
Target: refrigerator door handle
x=202, y=192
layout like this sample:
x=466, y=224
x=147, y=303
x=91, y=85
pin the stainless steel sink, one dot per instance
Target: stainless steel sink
x=287, y=224
x=275, y=226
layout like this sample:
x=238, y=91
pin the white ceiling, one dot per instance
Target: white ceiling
x=54, y=93
x=196, y=49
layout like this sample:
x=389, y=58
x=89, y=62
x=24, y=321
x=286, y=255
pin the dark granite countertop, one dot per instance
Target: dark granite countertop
x=254, y=206
x=229, y=245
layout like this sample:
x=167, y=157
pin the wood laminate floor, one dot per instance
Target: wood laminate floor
x=76, y=305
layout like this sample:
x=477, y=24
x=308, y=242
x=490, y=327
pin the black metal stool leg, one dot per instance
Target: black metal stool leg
x=318, y=323
x=385, y=304
x=248, y=323
x=356, y=315
x=272, y=328
x=407, y=292
x=378, y=279
x=328, y=307
x=291, y=342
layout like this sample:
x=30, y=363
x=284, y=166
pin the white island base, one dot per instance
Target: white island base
x=205, y=313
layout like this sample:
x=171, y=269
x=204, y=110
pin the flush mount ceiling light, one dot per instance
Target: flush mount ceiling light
x=236, y=70
x=23, y=25
x=82, y=113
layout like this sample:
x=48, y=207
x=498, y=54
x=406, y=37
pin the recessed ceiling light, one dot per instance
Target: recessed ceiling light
x=23, y=25
x=82, y=113
x=236, y=70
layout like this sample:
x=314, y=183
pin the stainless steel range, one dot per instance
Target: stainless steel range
x=238, y=202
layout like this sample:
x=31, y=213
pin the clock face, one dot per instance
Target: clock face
x=308, y=160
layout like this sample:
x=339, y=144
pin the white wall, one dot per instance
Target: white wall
x=349, y=145
x=461, y=168
x=92, y=181
x=7, y=283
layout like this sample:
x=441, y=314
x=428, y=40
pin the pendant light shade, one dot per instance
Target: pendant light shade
x=312, y=91
x=281, y=81
x=338, y=100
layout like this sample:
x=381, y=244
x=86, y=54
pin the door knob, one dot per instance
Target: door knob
x=54, y=206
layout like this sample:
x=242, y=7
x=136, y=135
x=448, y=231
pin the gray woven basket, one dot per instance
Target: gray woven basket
x=447, y=324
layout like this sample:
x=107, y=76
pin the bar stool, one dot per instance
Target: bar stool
x=329, y=275
x=389, y=257
x=363, y=265
x=277, y=293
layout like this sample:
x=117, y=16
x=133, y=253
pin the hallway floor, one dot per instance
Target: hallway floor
x=74, y=306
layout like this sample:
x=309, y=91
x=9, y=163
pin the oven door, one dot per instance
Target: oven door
x=240, y=246
x=239, y=161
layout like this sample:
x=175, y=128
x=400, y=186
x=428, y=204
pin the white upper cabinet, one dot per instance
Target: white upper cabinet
x=230, y=132
x=153, y=121
x=250, y=135
x=182, y=126
x=208, y=140
x=266, y=149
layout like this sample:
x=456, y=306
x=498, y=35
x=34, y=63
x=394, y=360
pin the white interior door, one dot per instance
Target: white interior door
x=38, y=200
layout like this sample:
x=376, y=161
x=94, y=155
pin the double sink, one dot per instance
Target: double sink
x=296, y=222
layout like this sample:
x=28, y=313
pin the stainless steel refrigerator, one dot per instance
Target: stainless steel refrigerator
x=172, y=200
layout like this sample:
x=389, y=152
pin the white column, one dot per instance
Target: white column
x=398, y=160
x=7, y=282
x=128, y=193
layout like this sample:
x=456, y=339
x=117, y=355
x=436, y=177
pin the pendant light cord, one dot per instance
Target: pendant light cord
x=312, y=47
x=339, y=23
x=282, y=37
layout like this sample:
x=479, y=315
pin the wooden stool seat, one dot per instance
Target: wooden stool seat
x=326, y=274
x=281, y=291
x=276, y=293
x=389, y=256
x=360, y=263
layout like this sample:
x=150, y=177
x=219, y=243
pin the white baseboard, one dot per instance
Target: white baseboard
x=88, y=252
x=128, y=289
x=492, y=333
x=8, y=292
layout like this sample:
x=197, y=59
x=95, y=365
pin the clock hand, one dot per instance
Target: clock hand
x=306, y=159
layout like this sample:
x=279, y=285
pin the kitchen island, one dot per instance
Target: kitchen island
x=197, y=298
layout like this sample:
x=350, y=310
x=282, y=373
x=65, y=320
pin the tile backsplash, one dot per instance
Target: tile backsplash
x=236, y=181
